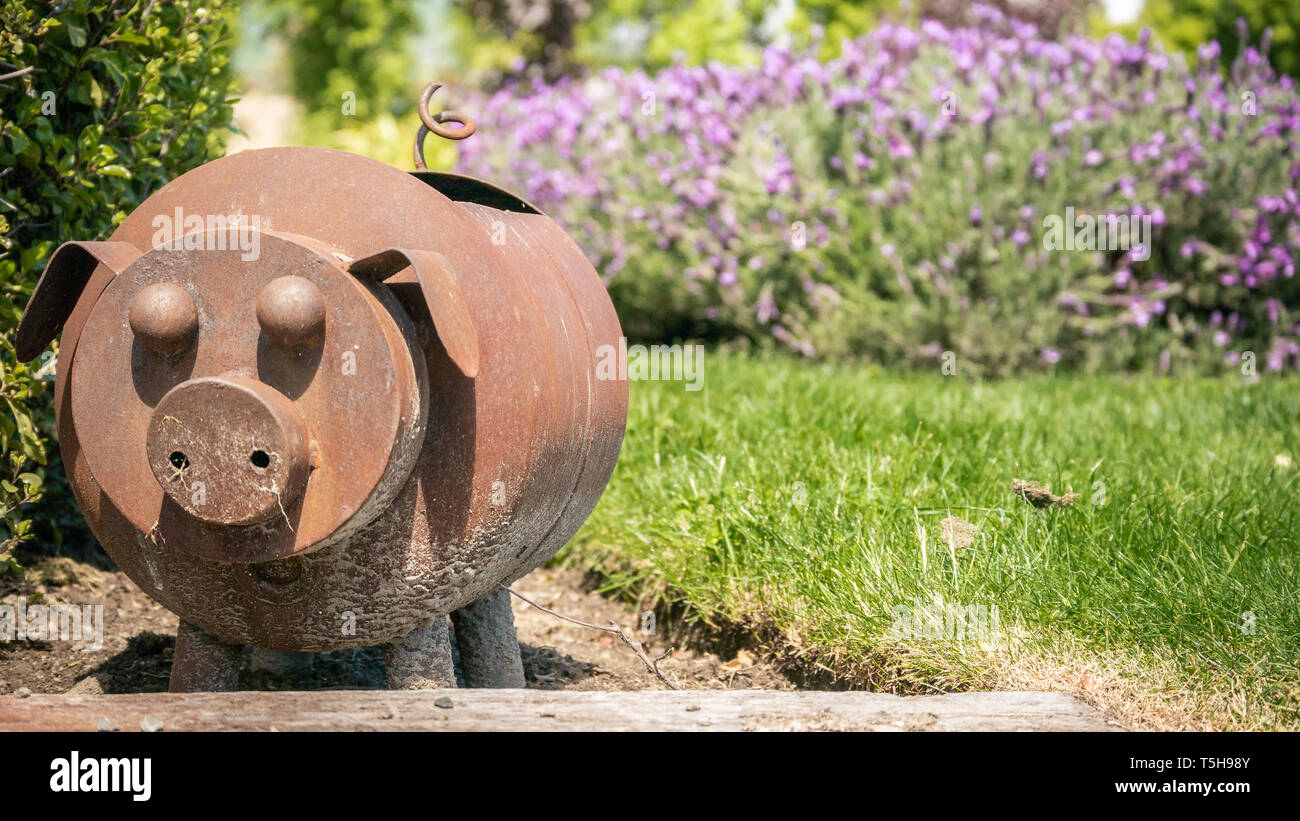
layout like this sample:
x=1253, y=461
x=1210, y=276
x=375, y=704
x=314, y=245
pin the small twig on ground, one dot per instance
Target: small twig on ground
x=638, y=647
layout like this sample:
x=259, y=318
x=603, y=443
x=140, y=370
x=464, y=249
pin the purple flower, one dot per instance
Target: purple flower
x=1062, y=127
x=627, y=181
x=1040, y=165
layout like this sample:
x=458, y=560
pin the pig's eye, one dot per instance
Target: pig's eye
x=291, y=311
x=163, y=318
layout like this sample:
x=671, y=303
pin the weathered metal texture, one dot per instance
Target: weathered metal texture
x=466, y=443
x=75, y=269
x=231, y=397
x=436, y=124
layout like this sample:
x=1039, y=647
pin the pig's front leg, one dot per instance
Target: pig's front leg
x=488, y=644
x=201, y=663
x=422, y=660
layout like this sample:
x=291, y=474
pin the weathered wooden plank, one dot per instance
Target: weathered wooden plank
x=507, y=710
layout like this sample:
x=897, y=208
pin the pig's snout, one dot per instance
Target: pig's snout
x=229, y=450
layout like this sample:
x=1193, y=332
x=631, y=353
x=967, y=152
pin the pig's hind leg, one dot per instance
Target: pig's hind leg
x=201, y=663
x=422, y=660
x=488, y=644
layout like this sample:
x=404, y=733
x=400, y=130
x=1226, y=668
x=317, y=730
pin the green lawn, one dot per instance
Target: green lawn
x=803, y=503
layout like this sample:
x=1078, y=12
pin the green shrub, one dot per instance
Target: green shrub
x=349, y=64
x=347, y=60
x=1185, y=24
x=101, y=104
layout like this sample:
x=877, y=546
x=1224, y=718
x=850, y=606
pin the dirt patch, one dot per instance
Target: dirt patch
x=139, y=639
x=559, y=655
x=138, y=634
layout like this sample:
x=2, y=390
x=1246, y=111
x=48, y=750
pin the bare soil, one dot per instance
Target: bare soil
x=139, y=638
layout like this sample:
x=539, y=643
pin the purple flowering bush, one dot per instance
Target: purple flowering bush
x=891, y=203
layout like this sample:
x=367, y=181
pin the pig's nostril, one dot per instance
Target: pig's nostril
x=229, y=451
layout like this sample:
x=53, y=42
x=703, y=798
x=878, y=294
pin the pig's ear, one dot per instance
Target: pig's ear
x=61, y=286
x=433, y=271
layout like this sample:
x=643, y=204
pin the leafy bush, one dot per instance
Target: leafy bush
x=890, y=203
x=22, y=445
x=101, y=103
x=1185, y=24
x=556, y=38
x=347, y=59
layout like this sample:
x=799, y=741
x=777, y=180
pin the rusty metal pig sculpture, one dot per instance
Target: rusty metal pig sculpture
x=308, y=401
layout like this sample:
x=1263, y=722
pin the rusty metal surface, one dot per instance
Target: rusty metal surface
x=436, y=124
x=442, y=297
x=163, y=318
x=291, y=312
x=73, y=267
x=441, y=429
x=229, y=450
x=462, y=188
x=349, y=399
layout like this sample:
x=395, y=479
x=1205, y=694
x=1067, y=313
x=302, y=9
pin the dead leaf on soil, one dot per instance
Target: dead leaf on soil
x=743, y=659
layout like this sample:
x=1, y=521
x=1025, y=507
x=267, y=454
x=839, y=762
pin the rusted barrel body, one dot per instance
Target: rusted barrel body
x=298, y=485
